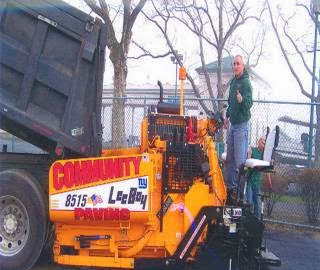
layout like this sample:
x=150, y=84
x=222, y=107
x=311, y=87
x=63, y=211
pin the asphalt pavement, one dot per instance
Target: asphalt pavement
x=298, y=250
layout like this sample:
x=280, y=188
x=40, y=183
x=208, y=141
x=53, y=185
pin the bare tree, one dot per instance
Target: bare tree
x=199, y=18
x=161, y=19
x=119, y=50
x=286, y=35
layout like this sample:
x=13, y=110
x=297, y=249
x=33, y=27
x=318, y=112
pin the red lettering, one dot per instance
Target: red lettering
x=57, y=170
x=95, y=171
x=124, y=214
x=113, y=214
x=102, y=170
x=115, y=168
x=107, y=170
x=112, y=168
x=78, y=173
x=98, y=213
x=81, y=173
x=120, y=162
x=78, y=213
x=88, y=171
x=88, y=214
x=127, y=166
x=136, y=163
x=68, y=171
x=106, y=213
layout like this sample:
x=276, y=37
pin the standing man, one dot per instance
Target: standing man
x=238, y=114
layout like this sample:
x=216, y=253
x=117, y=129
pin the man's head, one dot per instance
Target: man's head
x=238, y=65
x=261, y=143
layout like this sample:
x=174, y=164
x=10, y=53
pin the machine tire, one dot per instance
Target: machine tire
x=23, y=220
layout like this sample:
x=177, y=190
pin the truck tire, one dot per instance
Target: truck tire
x=23, y=220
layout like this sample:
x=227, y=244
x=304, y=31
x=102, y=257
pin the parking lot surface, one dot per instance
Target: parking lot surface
x=298, y=250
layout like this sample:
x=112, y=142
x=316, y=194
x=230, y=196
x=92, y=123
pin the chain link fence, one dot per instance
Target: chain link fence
x=293, y=196
x=289, y=198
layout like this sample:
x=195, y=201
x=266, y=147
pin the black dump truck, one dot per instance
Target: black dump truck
x=51, y=73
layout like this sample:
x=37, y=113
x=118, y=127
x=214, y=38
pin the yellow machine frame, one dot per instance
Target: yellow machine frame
x=94, y=228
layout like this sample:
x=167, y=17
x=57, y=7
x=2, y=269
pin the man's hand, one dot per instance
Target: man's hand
x=239, y=97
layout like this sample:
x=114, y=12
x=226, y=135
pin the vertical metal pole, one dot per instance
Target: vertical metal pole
x=12, y=143
x=145, y=107
x=175, y=93
x=181, y=97
x=132, y=121
x=312, y=92
x=102, y=115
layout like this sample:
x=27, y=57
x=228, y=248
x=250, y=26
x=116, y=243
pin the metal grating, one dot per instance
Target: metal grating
x=172, y=128
x=182, y=164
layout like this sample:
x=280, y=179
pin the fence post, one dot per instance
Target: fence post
x=145, y=107
x=12, y=143
x=312, y=92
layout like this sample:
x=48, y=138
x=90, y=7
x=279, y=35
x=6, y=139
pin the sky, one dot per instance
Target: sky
x=272, y=66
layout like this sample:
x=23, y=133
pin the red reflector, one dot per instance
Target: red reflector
x=58, y=151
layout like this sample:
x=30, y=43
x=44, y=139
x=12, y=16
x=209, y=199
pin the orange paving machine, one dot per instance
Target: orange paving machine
x=148, y=206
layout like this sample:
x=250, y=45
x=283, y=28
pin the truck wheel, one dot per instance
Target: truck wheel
x=23, y=220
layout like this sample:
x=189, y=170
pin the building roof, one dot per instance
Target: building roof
x=227, y=68
x=213, y=66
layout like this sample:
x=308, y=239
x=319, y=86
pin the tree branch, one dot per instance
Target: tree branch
x=136, y=11
x=103, y=12
x=310, y=14
x=104, y=7
x=174, y=52
x=147, y=53
x=293, y=43
x=295, y=75
x=206, y=11
x=187, y=24
x=260, y=53
x=307, y=9
x=234, y=25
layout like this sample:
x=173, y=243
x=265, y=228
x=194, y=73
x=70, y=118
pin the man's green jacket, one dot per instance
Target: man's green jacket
x=240, y=112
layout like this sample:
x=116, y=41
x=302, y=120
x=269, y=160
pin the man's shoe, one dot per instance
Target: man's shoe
x=231, y=196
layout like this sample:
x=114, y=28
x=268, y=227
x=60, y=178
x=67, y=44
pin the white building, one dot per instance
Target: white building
x=261, y=89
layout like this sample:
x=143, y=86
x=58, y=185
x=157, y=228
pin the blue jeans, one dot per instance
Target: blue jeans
x=253, y=198
x=237, y=149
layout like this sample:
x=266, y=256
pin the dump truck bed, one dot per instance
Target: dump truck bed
x=51, y=73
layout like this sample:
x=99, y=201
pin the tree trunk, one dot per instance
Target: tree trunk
x=220, y=94
x=118, y=108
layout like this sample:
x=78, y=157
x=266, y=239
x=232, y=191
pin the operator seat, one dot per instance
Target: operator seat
x=267, y=163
